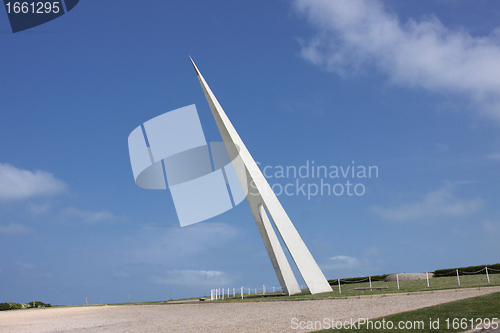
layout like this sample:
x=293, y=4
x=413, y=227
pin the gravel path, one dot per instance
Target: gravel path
x=221, y=317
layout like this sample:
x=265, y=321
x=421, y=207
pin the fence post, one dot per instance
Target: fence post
x=370, y=278
x=340, y=290
x=397, y=279
x=263, y=289
x=234, y=292
x=248, y=291
x=273, y=289
x=227, y=292
x=241, y=292
x=222, y=293
x=487, y=275
x=427, y=275
x=458, y=278
x=255, y=291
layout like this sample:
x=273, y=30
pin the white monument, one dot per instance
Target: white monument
x=263, y=201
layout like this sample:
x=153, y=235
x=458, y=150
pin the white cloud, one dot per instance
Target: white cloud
x=37, y=209
x=342, y=261
x=18, y=184
x=372, y=251
x=25, y=266
x=494, y=156
x=72, y=213
x=421, y=54
x=491, y=227
x=441, y=202
x=191, y=278
x=151, y=243
x=15, y=229
x=122, y=275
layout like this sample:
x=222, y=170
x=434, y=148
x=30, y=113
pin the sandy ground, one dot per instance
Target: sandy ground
x=221, y=317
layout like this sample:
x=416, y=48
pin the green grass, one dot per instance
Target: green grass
x=437, y=283
x=475, y=309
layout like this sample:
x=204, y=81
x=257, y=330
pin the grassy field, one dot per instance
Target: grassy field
x=437, y=283
x=458, y=316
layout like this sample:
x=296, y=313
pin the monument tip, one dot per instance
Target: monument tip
x=195, y=68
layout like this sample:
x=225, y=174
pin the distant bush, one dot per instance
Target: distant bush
x=469, y=269
x=14, y=306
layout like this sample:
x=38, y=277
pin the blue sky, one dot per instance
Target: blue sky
x=409, y=87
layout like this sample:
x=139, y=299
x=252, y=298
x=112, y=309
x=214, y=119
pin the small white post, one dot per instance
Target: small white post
x=86, y=301
x=397, y=279
x=370, y=278
x=129, y=298
x=248, y=291
x=255, y=291
x=263, y=289
x=241, y=292
x=234, y=292
x=273, y=289
x=340, y=290
x=487, y=275
x=211, y=294
x=222, y=293
x=427, y=275
x=227, y=292
x=458, y=278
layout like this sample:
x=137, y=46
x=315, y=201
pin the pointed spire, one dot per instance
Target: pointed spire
x=194, y=65
x=265, y=200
